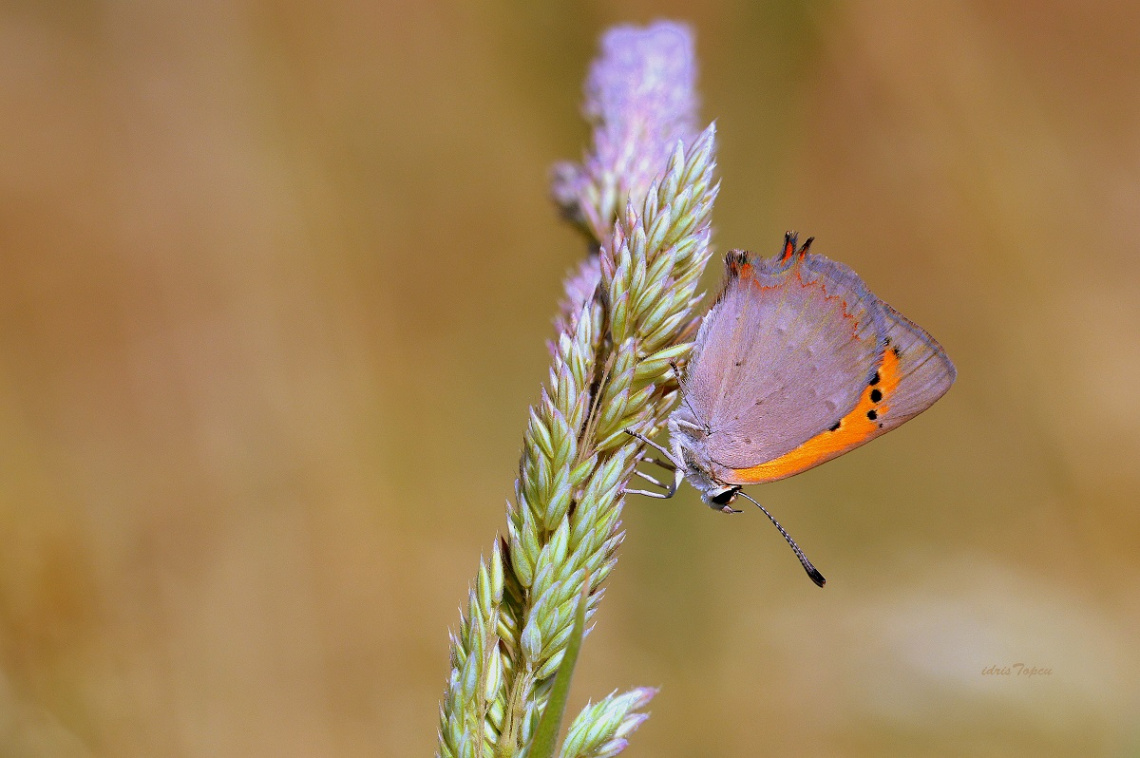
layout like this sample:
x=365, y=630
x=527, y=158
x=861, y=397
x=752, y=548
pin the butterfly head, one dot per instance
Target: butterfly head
x=717, y=495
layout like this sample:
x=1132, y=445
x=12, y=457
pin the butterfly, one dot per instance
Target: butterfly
x=795, y=363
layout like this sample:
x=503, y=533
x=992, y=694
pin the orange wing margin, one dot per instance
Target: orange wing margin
x=860, y=425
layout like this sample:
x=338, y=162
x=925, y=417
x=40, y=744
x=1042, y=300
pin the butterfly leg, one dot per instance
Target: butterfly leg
x=669, y=463
x=669, y=492
x=674, y=463
x=651, y=479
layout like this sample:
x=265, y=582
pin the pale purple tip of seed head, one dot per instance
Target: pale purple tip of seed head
x=579, y=290
x=612, y=748
x=630, y=724
x=580, y=287
x=647, y=71
x=644, y=695
x=645, y=79
x=641, y=98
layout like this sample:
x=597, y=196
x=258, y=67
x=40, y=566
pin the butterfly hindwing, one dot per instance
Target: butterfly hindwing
x=925, y=372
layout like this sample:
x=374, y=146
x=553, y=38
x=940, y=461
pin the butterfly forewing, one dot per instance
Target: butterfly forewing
x=776, y=358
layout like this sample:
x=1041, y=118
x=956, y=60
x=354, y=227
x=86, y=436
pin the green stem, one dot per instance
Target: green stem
x=546, y=734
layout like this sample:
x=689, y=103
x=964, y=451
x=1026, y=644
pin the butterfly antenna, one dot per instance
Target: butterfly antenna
x=810, y=569
x=683, y=383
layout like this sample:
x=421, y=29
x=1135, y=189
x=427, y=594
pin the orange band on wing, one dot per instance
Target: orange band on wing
x=858, y=426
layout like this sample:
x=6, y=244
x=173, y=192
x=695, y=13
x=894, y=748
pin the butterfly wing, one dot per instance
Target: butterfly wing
x=816, y=366
x=783, y=354
x=925, y=373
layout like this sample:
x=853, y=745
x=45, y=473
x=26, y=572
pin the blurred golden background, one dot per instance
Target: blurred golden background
x=275, y=280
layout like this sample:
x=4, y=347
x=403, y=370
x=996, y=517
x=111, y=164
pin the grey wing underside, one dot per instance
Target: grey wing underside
x=785, y=353
x=925, y=370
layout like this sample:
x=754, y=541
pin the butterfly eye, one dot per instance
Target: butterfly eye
x=724, y=497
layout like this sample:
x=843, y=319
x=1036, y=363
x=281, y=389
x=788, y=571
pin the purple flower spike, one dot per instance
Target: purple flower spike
x=645, y=196
x=641, y=99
